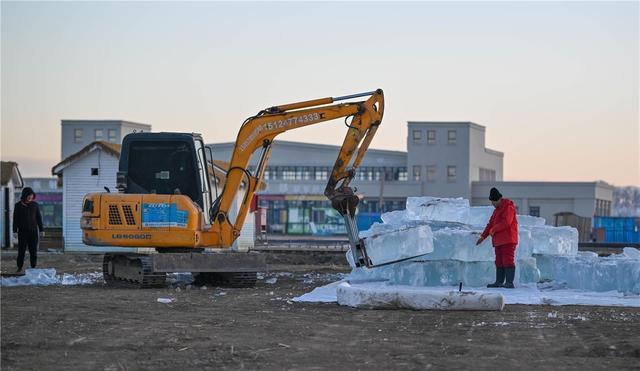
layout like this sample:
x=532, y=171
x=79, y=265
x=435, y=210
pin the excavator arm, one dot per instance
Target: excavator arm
x=259, y=131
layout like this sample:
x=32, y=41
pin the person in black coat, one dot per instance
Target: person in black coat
x=27, y=224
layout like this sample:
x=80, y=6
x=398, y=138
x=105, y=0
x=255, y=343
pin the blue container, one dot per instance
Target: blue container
x=366, y=220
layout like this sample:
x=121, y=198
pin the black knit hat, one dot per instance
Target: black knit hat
x=26, y=191
x=494, y=194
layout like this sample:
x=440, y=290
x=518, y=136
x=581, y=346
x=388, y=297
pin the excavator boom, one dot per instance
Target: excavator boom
x=259, y=131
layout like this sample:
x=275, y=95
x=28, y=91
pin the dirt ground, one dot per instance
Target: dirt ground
x=95, y=327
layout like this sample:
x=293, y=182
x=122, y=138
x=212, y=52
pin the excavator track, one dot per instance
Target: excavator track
x=131, y=271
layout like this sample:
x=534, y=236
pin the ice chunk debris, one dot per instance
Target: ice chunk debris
x=44, y=277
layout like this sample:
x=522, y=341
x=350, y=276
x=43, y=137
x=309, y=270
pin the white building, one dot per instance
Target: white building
x=91, y=169
x=10, y=181
x=76, y=134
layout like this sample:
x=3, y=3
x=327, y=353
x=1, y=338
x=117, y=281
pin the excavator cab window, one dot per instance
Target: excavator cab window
x=164, y=167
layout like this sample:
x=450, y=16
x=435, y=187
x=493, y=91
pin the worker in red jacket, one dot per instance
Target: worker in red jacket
x=503, y=229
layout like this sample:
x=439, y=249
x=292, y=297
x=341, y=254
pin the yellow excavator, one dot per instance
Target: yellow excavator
x=166, y=200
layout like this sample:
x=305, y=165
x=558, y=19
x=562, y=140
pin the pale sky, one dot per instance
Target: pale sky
x=556, y=84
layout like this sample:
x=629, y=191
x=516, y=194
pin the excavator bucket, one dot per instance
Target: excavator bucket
x=345, y=202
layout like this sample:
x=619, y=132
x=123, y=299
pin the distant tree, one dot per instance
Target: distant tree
x=626, y=201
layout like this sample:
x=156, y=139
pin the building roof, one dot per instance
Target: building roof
x=110, y=148
x=335, y=148
x=543, y=183
x=448, y=123
x=8, y=171
x=102, y=122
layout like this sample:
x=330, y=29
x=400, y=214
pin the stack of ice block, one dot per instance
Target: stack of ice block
x=452, y=227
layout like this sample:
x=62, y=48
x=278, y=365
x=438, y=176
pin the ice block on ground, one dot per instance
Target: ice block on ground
x=388, y=243
x=590, y=272
x=444, y=273
x=405, y=297
x=434, y=208
x=549, y=240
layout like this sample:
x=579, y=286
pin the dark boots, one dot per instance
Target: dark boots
x=510, y=274
x=500, y=274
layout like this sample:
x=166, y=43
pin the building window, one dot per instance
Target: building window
x=321, y=174
x=112, y=135
x=487, y=175
x=402, y=174
x=94, y=171
x=77, y=135
x=431, y=173
x=452, y=137
x=451, y=173
x=98, y=134
x=417, y=135
x=288, y=174
x=534, y=211
x=416, y=172
x=431, y=137
x=265, y=174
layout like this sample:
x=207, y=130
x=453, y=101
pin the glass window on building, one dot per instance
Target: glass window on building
x=431, y=137
x=98, y=135
x=487, y=175
x=417, y=136
x=306, y=173
x=416, y=172
x=321, y=173
x=288, y=173
x=112, y=135
x=77, y=135
x=431, y=173
x=452, y=137
x=534, y=211
x=402, y=174
x=451, y=173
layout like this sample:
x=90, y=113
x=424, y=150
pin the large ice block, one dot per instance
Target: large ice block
x=386, y=243
x=479, y=215
x=554, y=240
x=444, y=273
x=381, y=296
x=587, y=271
x=396, y=217
x=460, y=244
x=434, y=208
x=528, y=220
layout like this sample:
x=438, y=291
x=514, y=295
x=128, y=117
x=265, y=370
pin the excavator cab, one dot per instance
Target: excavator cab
x=166, y=164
